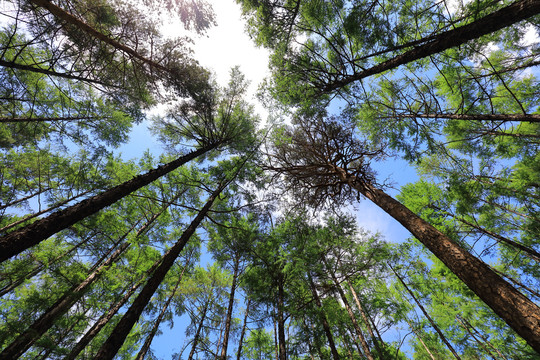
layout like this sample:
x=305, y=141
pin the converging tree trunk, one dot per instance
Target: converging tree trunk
x=30, y=235
x=111, y=346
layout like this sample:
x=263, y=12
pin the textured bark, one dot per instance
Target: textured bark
x=431, y=321
x=228, y=320
x=146, y=346
x=243, y=333
x=30, y=235
x=519, y=312
x=119, y=334
x=359, y=334
x=324, y=320
x=498, y=20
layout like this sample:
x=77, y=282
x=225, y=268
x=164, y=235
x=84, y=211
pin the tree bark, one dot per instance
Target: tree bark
x=243, y=333
x=228, y=320
x=30, y=235
x=498, y=20
x=359, y=334
x=146, y=346
x=324, y=320
x=111, y=346
x=519, y=312
x=421, y=307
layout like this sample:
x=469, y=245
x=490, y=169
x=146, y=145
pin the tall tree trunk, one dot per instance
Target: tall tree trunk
x=60, y=307
x=359, y=334
x=30, y=235
x=281, y=319
x=324, y=320
x=111, y=346
x=420, y=339
x=520, y=313
x=431, y=321
x=482, y=341
x=499, y=19
x=243, y=333
x=106, y=317
x=366, y=320
x=532, y=118
x=198, y=332
x=146, y=346
x=228, y=320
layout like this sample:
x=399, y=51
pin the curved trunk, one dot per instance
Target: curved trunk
x=519, y=312
x=30, y=235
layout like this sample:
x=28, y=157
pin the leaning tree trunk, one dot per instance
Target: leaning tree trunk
x=198, y=332
x=106, y=317
x=146, y=346
x=60, y=307
x=30, y=235
x=361, y=337
x=431, y=321
x=324, y=320
x=281, y=319
x=420, y=339
x=228, y=320
x=519, y=312
x=119, y=334
x=532, y=118
x=243, y=333
x=498, y=20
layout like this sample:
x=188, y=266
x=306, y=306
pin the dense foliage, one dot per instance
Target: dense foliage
x=239, y=239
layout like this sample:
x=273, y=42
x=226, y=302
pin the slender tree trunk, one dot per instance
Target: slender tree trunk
x=111, y=346
x=497, y=20
x=431, y=321
x=357, y=329
x=366, y=320
x=49, y=209
x=243, y=333
x=420, y=339
x=198, y=332
x=519, y=312
x=467, y=325
x=15, y=202
x=324, y=320
x=281, y=319
x=518, y=283
x=61, y=306
x=53, y=119
x=105, y=318
x=532, y=118
x=146, y=346
x=228, y=320
x=30, y=235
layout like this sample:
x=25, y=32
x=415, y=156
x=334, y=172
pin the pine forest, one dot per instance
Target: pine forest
x=244, y=236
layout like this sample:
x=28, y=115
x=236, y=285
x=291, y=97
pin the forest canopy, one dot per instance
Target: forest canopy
x=241, y=237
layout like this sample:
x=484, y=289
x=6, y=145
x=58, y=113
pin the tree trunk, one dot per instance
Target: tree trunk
x=146, y=346
x=30, y=235
x=105, y=318
x=366, y=320
x=53, y=119
x=59, y=308
x=228, y=320
x=421, y=307
x=281, y=319
x=363, y=342
x=500, y=19
x=420, y=339
x=243, y=333
x=483, y=342
x=324, y=320
x=532, y=118
x=111, y=346
x=198, y=332
x=520, y=313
